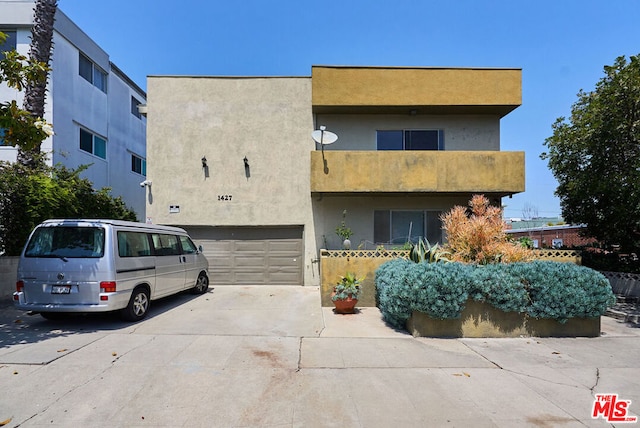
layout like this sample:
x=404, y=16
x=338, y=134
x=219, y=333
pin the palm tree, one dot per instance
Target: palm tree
x=40, y=50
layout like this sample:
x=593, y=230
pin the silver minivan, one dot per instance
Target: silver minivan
x=106, y=265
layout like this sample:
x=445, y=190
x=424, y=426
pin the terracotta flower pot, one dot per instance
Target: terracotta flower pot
x=345, y=306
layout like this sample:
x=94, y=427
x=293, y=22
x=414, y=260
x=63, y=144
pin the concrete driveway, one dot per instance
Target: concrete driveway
x=272, y=357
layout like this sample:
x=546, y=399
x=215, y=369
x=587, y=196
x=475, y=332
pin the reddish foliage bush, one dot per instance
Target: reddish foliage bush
x=480, y=237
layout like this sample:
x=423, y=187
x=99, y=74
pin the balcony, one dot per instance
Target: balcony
x=417, y=172
x=401, y=90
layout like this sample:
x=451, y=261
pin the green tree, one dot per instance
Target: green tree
x=28, y=196
x=595, y=156
x=19, y=127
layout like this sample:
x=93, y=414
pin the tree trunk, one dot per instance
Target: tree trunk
x=41, y=47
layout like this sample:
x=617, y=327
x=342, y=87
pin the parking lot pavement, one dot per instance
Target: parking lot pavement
x=271, y=356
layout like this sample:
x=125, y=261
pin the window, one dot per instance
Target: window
x=92, y=73
x=63, y=242
x=99, y=79
x=410, y=140
x=93, y=144
x=134, y=107
x=133, y=244
x=399, y=227
x=138, y=165
x=86, y=68
x=9, y=44
x=2, y=140
x=165, y=245
x=188, y=247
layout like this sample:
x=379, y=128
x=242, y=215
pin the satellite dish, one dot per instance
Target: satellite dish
x=324, y=137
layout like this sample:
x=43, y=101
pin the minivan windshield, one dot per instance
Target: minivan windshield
x=66, y=241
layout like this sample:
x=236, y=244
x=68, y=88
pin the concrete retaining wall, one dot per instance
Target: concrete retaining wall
x=479, y=319
x=363, y=263
x=8, y=275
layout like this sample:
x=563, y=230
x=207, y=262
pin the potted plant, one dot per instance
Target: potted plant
x=344, y=232
x=346, y=292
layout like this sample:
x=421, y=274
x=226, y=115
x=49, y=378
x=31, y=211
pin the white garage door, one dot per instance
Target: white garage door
x=251, y=255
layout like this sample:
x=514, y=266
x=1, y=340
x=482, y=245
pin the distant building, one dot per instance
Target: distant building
x=555, y=236
x=526, y=223
x=92, y=104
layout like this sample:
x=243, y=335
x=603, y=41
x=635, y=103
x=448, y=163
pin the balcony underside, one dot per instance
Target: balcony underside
x=417, y=172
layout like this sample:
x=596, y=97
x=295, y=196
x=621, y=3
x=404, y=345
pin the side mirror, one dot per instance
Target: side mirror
x=199, y=248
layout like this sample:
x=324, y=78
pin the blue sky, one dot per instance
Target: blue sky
x=561, y=46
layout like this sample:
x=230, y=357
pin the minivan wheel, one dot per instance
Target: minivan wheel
x=202, y=284
x=138, y=305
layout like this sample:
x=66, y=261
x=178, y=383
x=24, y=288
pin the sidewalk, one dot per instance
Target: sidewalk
x=272, y=357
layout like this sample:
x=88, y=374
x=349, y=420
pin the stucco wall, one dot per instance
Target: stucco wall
x=379, y=86
x=327, y=211
x=358, y=132
x=266, y=120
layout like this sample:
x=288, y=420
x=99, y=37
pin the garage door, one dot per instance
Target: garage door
x=251, y=255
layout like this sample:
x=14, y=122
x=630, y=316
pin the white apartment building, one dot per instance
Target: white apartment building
x=92, y=104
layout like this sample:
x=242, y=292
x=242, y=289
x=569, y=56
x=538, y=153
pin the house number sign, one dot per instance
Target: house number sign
x=224, y=197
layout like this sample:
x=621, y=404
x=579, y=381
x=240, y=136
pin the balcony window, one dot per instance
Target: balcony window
x=398, y=227
x=410, y=139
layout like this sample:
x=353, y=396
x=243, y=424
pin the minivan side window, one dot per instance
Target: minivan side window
x=133, y=244
x=165, y=245
x=188, y=247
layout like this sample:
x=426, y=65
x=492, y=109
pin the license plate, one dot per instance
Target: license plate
x=60, y=289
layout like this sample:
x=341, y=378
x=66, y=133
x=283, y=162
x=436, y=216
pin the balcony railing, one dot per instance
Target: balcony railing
x=490, y=172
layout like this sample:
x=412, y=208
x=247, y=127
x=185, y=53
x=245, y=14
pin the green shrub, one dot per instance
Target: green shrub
x=394, y=291
x=441, y=290
x=29, y=196
x=612, y=261
x=542, y=289
x=564, y=290
x=437, y=289
x=499, y=286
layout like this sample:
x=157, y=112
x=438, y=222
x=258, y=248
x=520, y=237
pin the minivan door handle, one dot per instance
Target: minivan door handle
x=184, y=259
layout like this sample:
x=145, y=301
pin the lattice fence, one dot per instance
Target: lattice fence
x=573, y=256
x=545, y=254
x=365, y=254
x=624, y=284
